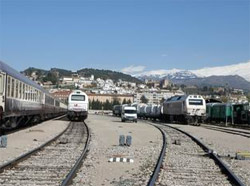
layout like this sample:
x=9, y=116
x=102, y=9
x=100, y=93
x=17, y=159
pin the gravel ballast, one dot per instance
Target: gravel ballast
x=50, y=165
x=25, y=140
x=104, y=144
x=186, y=163
x=226, y=145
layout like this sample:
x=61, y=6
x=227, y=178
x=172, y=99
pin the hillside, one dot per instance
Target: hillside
x=234, y=81
x=54, y=74
x=107, y=74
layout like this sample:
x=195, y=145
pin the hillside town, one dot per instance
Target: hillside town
x=107, y=92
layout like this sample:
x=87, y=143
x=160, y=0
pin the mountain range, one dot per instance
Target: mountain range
x=241, y=69
x=236, y=76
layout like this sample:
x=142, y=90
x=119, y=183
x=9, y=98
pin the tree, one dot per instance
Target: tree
x=90, y=104
x=94, y=104
x=124, y=101
x=107, y=105
x=144, y=99
x=115, y=102
x=98, y=105
x=51, y=77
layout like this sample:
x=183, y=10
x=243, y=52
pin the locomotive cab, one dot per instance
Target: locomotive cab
x=77, y=106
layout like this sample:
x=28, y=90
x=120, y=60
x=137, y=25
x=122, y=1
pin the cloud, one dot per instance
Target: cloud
x=133, y=69
x=164, y=55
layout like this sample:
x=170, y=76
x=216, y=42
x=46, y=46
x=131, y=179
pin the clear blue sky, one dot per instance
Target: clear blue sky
x=113, y=34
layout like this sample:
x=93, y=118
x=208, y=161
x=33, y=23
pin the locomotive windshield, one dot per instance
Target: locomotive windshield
x=195, y=102
x=77, y=98
x=130, y=111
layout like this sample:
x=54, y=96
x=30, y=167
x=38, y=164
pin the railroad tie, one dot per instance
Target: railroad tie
x=124, y=160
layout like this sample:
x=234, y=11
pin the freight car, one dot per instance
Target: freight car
x=78, y=105
x=22, y=101
x=228, y=112
x=218, y=112
x=152, y=111
x=141, y=111
x=156, y=112
x=184, y=109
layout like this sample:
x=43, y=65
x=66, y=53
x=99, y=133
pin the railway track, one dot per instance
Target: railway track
x=189, y=162
x=239, y=132
x=53, y=164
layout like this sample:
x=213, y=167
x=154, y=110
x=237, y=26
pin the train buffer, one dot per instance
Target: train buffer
x=243, y=155
x=125, y=141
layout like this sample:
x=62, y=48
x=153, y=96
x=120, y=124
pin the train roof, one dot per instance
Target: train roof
x=12, y=72
x=183, y=97
x=78, y=92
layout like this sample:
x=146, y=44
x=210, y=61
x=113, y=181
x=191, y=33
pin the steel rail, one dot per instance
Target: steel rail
x=29, y=153
x=244, y=131
x=156, y=172
x=68, y=179
x=229, y=131
x=224, y=168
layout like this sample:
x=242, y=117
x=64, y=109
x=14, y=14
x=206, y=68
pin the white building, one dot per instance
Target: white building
x=155, y=96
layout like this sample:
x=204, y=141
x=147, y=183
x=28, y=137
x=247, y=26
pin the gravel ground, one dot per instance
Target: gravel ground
x=50, y=165
x=25, y=140
x=145, y=150
x=186, y=163
x=226, y=145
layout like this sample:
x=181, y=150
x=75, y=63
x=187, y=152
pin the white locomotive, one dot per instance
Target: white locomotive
x=186, y=108
x=78, y=104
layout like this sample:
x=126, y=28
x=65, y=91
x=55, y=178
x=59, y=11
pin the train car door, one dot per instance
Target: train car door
x=2, y=91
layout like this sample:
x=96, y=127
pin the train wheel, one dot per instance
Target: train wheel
x=11, y=123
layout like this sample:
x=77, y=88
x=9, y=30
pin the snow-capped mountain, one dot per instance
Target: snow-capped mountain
x=241, y=69
x=184, y=74
x=157, y=74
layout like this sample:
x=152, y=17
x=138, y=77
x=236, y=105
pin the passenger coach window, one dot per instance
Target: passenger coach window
x=12, y=87
x=17, y=86
x=8, y=87
x=1, y=84
x=20, y=89
x=23, y=91
x=77, y=98
x=26, y=92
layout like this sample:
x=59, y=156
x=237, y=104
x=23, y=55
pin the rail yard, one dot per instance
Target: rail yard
x=64, y=157
x=183, y=141
x=124, y=93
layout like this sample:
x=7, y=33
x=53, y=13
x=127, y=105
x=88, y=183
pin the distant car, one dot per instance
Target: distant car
x=129, y=113
x=78, y=104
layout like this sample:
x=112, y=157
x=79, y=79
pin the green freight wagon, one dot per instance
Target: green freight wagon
x=241, y=113
x=219, y=112
x=228, y=112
